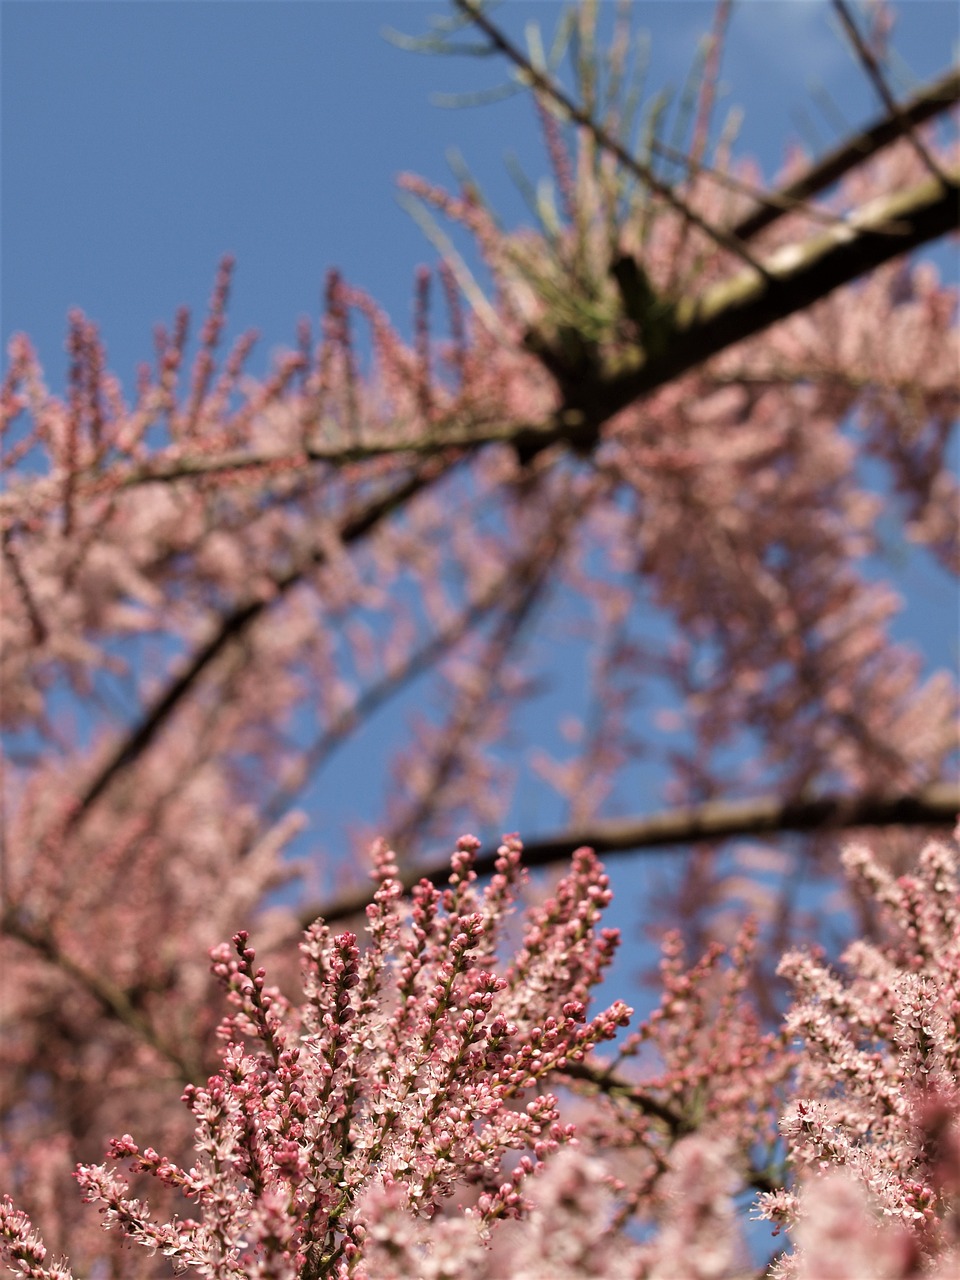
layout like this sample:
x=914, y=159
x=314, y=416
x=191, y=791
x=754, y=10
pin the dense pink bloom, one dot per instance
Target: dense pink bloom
x=874, y=1129
x=210, y=582
x=405, y=1079
x=369, y=1131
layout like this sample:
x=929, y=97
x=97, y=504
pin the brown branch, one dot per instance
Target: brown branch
x=872, y=67
x=518, y=599
x=458, y=430
x=113, y=1000
x=602, y=1079
x=237, y=622
x=741, y=307
x=38, y=628
x=928, y=102
x=774, y=201
x=579, y=116
x=395, y=680
x=469, y=709
x=787, y=376
x=935, y=806
x=797, y=276
x=801, y=275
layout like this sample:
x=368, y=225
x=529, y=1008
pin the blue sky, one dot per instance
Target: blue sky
x=142, y=140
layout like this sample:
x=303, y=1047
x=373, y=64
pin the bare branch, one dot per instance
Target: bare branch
x=237, y=622
x=928, y=102
x=546, y=85
x=866, y=56
x=935, y=806
x=802, y=274
x=113, y=1000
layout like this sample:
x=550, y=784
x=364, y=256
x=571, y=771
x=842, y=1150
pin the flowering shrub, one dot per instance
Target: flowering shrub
x=395, y=1125
x=681, y=418
x=874, y=1130
x=409, y=1074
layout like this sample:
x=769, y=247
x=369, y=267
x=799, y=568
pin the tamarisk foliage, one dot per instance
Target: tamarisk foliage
x=685, y=414
x=364, y=1133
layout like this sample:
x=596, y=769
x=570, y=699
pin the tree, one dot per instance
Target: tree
x=673, y=394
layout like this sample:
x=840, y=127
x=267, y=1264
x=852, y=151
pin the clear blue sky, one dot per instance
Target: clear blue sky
x=142, y=140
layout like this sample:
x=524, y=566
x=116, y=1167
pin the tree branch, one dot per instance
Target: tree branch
x=798, y=276
x=928, y=102
x=739, y=308
x=114, y=1002
x=794, y=278
x=419, y=661
x=872, y=68
x=543, y=83
x=801, y=274
x=599, y=1078
x=236, y=623
x=935, y=806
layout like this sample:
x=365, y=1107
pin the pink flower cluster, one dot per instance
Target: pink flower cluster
x=395, y=1125
x=409, y=1075
x=874, y=1130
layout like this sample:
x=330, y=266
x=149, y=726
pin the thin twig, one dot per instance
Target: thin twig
x=872, y=67
x=374, y=697
x=935, y=806
x=236, y=624
x=474, y=701
x=545, y=84
x=928, y=102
